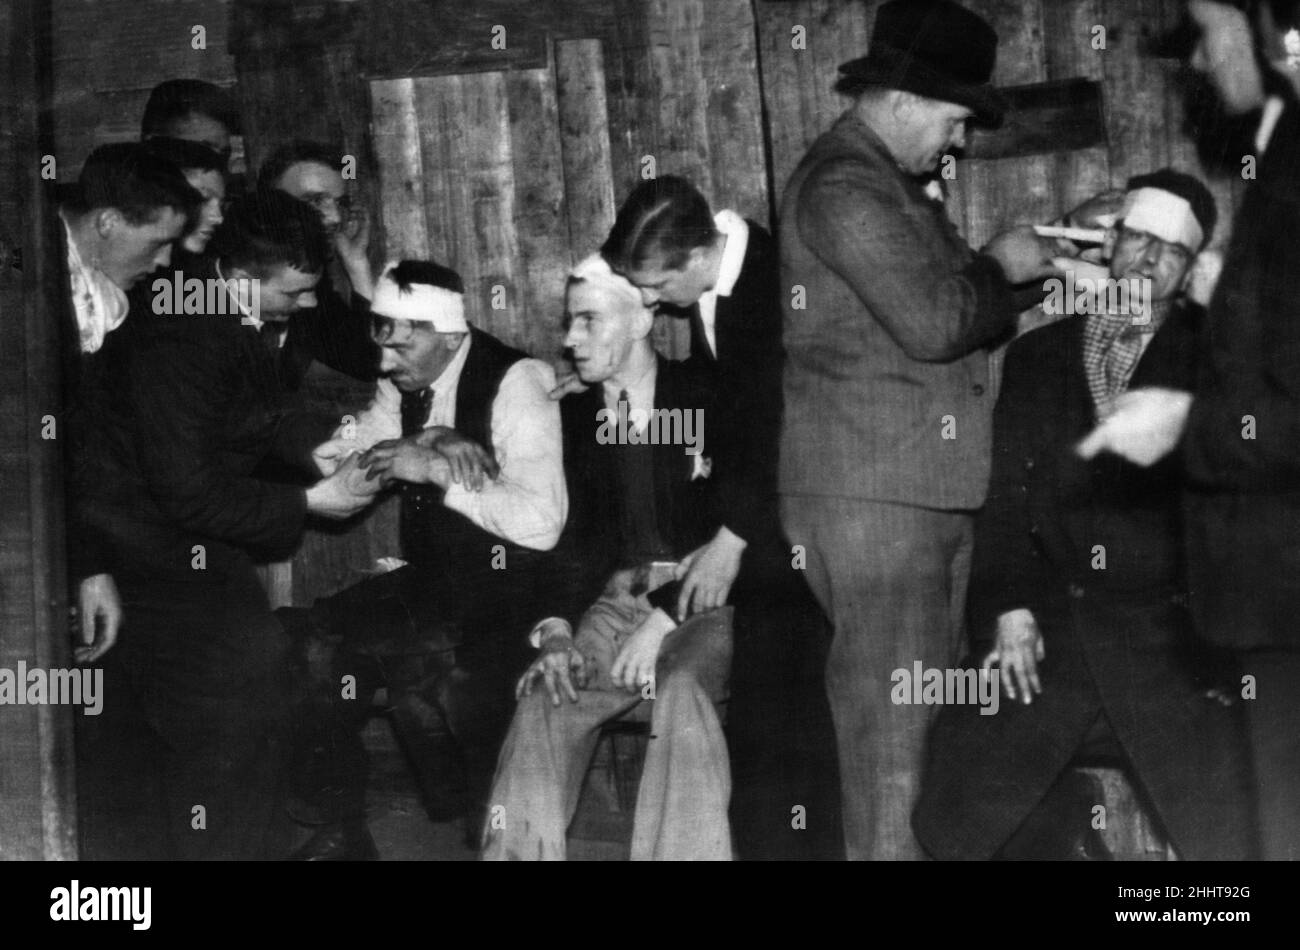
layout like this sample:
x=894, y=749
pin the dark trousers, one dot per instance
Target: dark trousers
x=449, y=656
x=188, y=760
x=785, y=795
x=1273, y=723
x=892, y=579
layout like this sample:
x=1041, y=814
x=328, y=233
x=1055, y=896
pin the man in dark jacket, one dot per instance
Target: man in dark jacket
x=1239, y=436
x=193, y=409
x=1078, y=592
x=640, y=499
x=723, y=272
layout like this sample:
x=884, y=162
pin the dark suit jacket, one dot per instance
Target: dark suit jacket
x=336, y=332
x=1243, y=526
x=747, y=374
x=590, y=549
x=1116, y=632
x=890, y=339
x=193, y=408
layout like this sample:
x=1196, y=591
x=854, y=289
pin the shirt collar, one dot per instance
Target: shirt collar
x=450, y=376
x=1273, y=108
x=736, y=231
x=640, y=392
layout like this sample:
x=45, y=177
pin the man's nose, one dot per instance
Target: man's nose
x=571, y=335
x=649, y=297
x=1199, y=61
x=387, y=361
x=163, y=257
x=306, y=301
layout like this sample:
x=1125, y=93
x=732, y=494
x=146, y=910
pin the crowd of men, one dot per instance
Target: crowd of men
x=845, y=494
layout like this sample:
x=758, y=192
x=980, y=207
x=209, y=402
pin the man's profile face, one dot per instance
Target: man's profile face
x=681, y=286
x=284, y=291
x=321, y=187
x=601, y=330
x=131, y=251
x=1143, y=256
x=412, y=353
x=212, y=186
x=196, y=127
x=931, y=128
x=1225, y=53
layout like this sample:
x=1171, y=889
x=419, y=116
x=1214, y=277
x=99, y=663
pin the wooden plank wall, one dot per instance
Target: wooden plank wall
x=1040, y=40
x=108, y=55
x=37, y=795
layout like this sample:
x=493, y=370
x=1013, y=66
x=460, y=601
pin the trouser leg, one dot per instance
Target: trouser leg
x=892, y=579
x=1273, y=723
x=681, y=810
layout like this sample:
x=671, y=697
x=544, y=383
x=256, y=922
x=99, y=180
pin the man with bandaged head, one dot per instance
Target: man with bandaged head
x=639, y=503
x=1078, y=591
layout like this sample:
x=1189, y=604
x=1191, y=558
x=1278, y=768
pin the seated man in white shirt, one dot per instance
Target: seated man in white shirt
x=462, y=424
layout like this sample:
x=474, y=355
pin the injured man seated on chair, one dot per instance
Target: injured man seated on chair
x=641, y=498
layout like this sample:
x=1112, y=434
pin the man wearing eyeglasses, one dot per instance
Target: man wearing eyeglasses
x=1078, y=594
x=337, y=331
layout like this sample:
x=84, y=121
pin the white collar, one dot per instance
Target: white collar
x=247, y=317
x=1273, y=109
x=736, y=231
x=450, y=377
x=640, y=392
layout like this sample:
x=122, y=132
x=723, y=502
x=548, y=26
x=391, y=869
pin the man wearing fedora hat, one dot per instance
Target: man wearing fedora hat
x=886, y=442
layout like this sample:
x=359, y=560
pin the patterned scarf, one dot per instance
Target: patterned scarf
x=100, y=305
x=1112, y=347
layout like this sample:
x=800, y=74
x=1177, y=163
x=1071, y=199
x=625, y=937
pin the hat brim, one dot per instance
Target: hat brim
x=905, y=72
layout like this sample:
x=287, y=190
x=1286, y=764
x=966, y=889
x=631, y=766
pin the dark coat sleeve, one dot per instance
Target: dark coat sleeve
x=1007, y=570
x=1253, y=361
x=181, y=389
x=336, y=332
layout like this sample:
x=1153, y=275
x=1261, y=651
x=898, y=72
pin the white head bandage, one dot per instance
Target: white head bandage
x=1163, y=214
x=596, y=270
x=445, y=309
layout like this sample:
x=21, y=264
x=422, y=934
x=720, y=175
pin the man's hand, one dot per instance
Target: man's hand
x=635, y=664
x=1023, y=255
x=328, y=455
x=1099, y=211
x=470, y=462
x=559, y=665
x=1142, y=425
x=709, y=572
x=345, y=492
x=405, y=460
x=351, y=242
x=99, y=617
x=1018, y=651
x=568, y=383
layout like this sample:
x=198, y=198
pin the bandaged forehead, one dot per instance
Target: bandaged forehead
x=422, y=303
x=597, y=272
x=1164, y=215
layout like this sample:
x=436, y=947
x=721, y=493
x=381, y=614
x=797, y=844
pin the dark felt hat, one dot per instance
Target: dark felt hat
x=934, y=48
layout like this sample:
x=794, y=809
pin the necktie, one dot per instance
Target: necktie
x=415, y=410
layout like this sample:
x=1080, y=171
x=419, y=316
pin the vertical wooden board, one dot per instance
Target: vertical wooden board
x=585, y=144
x=999, y=193
x=488, y=188
x=1069, y=53
x=682, y=147
x=728, y=57
x=540, y=223
x=441, y=134
x=632, y=96
x=1137, y=124
x=396, y=138
x=798, y=83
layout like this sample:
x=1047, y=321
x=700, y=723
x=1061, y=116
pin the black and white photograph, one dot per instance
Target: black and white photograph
x=651, y=430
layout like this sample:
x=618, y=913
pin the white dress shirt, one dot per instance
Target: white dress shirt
x=527, y=503
x=736, y=232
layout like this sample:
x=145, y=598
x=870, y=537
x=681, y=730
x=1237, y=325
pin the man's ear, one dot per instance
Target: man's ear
x=643, y=322
x=107, y=220
x=238, y=273
x=454, y=340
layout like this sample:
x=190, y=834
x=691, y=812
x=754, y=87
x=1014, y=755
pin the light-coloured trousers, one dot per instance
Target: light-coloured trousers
x=681, y=808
